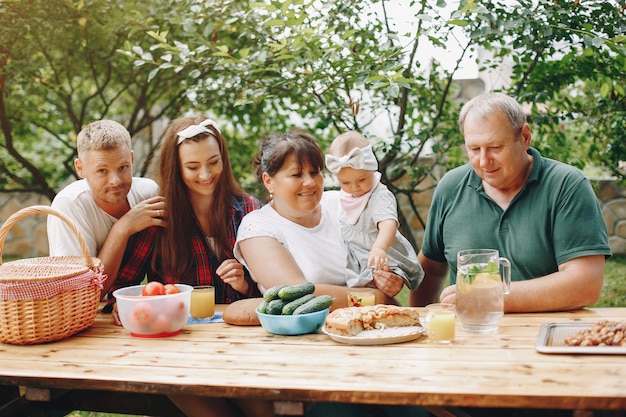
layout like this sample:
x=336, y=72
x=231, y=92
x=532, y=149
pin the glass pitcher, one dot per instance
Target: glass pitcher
x=483, y=277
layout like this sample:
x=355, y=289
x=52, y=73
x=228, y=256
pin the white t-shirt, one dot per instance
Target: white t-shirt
x=319, y=251
x=94, y=224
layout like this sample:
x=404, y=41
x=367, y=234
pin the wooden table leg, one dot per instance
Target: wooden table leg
x=288, y=408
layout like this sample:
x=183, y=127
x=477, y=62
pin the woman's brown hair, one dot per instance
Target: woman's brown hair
x=176, y=249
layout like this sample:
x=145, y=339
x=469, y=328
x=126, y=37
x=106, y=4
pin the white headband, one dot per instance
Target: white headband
x=194, y=130
x=357, y=158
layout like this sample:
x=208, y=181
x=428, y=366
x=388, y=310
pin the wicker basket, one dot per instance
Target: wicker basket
x=50, y=298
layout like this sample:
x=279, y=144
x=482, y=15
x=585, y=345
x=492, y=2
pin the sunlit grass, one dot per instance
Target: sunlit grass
x=614, y=289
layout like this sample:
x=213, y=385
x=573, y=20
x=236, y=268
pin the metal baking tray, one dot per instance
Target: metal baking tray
x=552, y=335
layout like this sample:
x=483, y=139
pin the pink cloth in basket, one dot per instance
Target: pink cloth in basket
x=38, y=290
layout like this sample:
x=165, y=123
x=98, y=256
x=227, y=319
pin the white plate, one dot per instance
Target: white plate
x=379, y=337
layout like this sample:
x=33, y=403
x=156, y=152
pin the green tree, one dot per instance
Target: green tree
x=570, y=64
x=60, y=69
x=329, y=66
x=326, y=66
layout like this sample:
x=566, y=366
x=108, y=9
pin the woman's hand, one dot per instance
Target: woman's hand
x=231, y=272
x=116, y=315
x=388, y=282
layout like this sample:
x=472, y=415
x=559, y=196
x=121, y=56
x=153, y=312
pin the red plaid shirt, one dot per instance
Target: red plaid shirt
x=137, y=261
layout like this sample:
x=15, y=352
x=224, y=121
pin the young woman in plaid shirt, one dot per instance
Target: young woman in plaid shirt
x=204, y=207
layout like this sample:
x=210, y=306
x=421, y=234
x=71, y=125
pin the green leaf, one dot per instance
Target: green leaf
x=458, y=22
x=605, y=90
x=393, y=90
x=274, y=22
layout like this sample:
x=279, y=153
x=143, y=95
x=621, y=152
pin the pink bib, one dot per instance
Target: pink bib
x=354, y=206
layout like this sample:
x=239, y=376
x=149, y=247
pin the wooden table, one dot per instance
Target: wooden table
x=477, y=370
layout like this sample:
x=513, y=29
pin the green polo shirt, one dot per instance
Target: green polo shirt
x=554, y=218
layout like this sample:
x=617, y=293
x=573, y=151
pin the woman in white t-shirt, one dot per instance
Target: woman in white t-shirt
x=296, y=237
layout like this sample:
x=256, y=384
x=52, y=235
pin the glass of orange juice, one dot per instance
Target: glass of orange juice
x=440, y=321
x=202, y=302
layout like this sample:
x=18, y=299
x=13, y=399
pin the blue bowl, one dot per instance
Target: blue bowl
x=291, y=325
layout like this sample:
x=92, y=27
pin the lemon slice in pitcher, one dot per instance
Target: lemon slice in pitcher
x=486, y=280
x=462, y=284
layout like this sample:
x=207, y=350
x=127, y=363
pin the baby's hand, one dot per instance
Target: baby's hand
x=377, y=259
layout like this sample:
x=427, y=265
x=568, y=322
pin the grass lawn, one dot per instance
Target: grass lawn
x=614, y=289
x=613, y=295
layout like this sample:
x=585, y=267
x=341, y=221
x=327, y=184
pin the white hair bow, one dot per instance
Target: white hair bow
x=357, y=158
x=193, y=130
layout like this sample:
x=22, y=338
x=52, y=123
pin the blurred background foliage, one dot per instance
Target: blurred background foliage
x=324, y=66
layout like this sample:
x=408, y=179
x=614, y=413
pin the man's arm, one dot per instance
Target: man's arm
x=62, y=241
x=435, y=274
x=576, y=284
x=138, y=218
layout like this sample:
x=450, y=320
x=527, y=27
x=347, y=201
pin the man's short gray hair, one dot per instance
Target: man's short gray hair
x=486, y=103
x=102, y=135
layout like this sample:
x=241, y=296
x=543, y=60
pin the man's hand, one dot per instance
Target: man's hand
x=150, y=212
x=448, y=295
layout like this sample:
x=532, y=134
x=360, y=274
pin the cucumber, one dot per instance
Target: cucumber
x=272, y=293
x=275, y=306
x=317, y=304
x=262, y=308
x=291, y=306
x=293, y=292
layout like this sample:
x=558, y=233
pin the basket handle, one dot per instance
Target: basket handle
x=4, y=230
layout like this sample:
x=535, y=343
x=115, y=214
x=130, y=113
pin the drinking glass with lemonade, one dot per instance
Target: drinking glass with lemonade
x=480, y=289
x=203, y=302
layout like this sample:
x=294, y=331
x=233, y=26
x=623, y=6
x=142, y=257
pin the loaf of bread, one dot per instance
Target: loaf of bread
x=242, y=312
x=351, y=321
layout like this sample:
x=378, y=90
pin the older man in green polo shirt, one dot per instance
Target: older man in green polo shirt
x=541, y=214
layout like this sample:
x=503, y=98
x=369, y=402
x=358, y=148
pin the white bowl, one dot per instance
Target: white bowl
x=153, y=316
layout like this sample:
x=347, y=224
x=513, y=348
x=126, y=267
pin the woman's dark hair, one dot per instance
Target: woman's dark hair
x=176, y=251
x=275, y=148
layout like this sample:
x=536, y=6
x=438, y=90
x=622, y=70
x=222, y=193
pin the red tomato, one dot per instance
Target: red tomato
x=161, y=324
x=142, y=312
x=153, y=288
x=171, y=289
